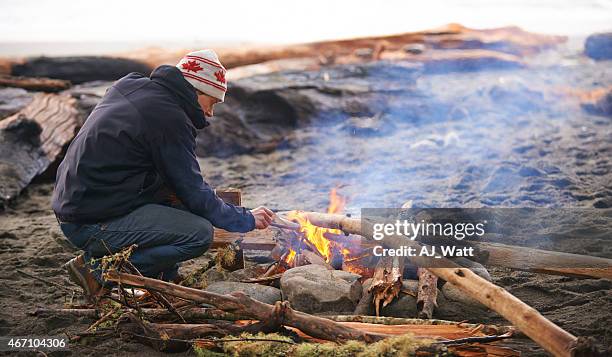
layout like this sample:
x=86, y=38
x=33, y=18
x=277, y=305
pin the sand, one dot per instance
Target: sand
x=512, y=139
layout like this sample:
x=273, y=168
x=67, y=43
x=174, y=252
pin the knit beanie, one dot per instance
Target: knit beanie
x=204, y=71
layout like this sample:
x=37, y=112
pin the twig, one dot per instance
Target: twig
x=284, y=226
x=214, y=340
x=102, y=319
x=476, y=339
x=158, y=296
x=45, y=281
x=262, y=279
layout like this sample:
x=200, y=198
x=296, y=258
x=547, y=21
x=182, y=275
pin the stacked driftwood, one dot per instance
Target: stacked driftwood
x=171, y=317
x=530, y=322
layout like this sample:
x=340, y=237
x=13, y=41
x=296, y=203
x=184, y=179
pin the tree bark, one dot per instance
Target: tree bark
x=537, y=327
x=427, y=293
x=32, y=139
x=387, y=281
x=241, y=304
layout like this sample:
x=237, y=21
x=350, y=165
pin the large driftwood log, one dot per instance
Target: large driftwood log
x=427, y=294
x=537, y=327
x=501, y=255
x=32, y=139
x=241, y=304
x=387, y=281
x=35, y=84
x=545, y=261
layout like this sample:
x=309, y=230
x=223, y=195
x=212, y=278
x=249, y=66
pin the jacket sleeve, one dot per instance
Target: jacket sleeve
x=173, y=153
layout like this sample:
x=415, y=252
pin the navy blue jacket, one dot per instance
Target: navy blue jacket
x=138, y=139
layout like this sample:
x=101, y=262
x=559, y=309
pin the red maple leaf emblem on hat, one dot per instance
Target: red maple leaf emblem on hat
x=220, y=74
x=192, y=66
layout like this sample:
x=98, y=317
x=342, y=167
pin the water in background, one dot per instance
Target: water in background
x=64, y=27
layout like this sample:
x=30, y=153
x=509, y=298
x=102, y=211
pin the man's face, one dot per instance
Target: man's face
x=207, y=103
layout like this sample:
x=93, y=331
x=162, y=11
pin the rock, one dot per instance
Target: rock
x=261, y=112
x=263, y=293
x=314, y=289
x=442, y=62
x=476, y=267
x=598, y=46
x=88, y=95
x=377, y=125
x=250, y=272
x=13, y=100
x=414, y=48
x=79, y=69
x=601, y=106
x=454, y=305
x=405, y=305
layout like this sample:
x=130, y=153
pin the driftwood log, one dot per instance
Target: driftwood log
x=427, y=294
x=35, y=84
x=545, y=261
x=537, y=327
x=241, y=304
x=32, y=139
x=177, y=337
x=507, y=256
x=387, y=281
x=191, y=315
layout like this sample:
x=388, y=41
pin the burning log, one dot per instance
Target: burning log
x=427, y=293
x=387, y=281
x=501, y=255
x=32, y=139
x=241, y=304
x=537, y=327
x=307, y=257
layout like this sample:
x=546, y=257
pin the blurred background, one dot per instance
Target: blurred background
x=65, y=27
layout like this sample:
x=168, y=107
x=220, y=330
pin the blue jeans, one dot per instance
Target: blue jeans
x=165, y=236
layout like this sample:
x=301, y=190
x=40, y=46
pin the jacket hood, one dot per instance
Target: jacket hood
x=171, y=78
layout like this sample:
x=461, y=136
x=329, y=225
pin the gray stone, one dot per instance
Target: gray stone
x=250, y=272
x=476, y=267
x=454, y=304
x=405, y=304
x=598, y=46
x=414, y=48
x=313, y=289
x=262, y=293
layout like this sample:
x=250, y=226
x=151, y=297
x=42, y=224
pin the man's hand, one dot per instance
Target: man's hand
x=263, y=217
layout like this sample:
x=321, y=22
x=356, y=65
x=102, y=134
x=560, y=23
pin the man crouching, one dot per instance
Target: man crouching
x=137, y=143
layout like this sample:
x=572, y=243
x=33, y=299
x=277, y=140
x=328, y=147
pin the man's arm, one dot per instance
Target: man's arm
x=174, y=157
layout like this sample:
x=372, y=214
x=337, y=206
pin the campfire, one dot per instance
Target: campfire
x=304, y=243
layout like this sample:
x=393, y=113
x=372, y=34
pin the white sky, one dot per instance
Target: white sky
x=270, y=21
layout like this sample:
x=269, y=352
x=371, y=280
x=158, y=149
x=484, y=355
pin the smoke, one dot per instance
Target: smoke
x=483, y=138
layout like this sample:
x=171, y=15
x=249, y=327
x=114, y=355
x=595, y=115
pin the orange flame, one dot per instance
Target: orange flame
x=315, y=234
x=290, y=257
